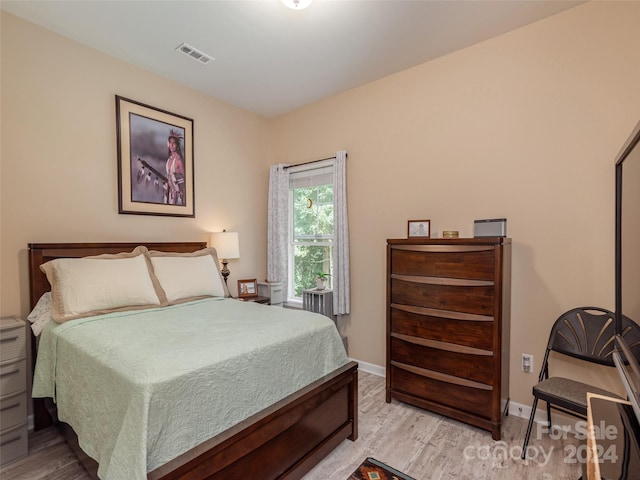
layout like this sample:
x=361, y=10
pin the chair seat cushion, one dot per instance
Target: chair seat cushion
x=567, y=393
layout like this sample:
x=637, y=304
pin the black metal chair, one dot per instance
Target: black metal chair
x=585, y=333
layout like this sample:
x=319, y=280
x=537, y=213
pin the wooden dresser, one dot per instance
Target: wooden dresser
x=448, y=306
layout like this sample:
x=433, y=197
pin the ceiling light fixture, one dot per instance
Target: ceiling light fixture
x=297, y=4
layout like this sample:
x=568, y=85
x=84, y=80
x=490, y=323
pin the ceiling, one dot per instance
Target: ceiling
x=270, y=59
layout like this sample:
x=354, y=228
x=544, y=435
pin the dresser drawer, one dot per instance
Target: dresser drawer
x=13, y=410
x=13, y=343
x=14, y=444
x=461, y=397
x=471, y=262
x=13, y=377
x=470, y=364
x=460, y=328
x=441, y=294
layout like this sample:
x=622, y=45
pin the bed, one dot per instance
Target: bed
x=283, y=439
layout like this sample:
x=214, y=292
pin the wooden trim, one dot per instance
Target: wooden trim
x=442, y=377
x=441, y=248
x=434, y=312
x=471, y=243
x=449, y=347
x=455, y=282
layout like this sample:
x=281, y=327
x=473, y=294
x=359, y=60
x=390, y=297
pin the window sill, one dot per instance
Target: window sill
x=293, y=304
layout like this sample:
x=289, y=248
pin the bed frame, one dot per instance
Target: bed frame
x=284, y=441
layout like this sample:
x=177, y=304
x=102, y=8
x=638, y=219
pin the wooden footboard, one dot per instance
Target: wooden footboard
x=283, y=441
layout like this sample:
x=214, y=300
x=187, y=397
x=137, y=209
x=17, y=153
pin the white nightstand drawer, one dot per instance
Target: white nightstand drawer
x=13, y=377
x=273, y=290
x=13, y=410
x=14, y=444
x=276, y=295
x=12, y=342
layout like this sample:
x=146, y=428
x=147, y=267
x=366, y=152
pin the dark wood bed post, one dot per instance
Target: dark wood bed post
x=283, y=441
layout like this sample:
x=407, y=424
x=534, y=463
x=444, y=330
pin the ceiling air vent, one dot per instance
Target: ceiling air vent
x=194, y=53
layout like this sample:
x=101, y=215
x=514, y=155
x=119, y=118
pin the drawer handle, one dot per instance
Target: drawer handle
x=445, y=281
x=10, y=440
x=8, y=339
x=441, y=377
x=9, y=407
x=4, y=374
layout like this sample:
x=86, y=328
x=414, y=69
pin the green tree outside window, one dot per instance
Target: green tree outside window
x=313, y=235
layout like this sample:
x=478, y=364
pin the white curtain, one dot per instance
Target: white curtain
x=278, y=227
x=341, y=285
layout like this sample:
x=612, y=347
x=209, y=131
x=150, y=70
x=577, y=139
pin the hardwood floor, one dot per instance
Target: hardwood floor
x=419, y=443
x=428, y=446
x=49, y=458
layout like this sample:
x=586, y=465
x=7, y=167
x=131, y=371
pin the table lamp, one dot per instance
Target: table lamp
x=227, y=247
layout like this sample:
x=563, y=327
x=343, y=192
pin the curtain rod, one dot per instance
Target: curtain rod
x=312, y=161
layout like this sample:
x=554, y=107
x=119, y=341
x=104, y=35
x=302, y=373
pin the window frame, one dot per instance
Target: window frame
x=291, y=243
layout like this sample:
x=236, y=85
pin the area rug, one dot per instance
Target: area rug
x=372, y=469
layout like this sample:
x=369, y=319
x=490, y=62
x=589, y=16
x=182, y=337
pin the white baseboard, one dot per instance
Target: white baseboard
x=557, y=418
x=524, y=411
x=371, y=368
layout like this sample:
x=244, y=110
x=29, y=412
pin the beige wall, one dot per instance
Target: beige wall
x=59, y=174
x=525, y=126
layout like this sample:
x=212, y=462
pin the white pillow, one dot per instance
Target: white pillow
x=186, y=277
x=81, y=287
x=41, y=314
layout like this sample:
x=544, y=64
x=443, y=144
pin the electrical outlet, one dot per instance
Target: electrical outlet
x=527, y=363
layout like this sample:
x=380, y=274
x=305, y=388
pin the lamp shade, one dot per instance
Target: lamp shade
x=226, y=244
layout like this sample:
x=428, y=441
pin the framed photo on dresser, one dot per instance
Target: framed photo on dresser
x=419, y=228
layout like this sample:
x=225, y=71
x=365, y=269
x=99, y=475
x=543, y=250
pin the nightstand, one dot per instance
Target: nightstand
x=273, y=290
x=13, y=389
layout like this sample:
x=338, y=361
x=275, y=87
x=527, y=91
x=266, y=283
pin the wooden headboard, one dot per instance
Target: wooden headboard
x=40, y=253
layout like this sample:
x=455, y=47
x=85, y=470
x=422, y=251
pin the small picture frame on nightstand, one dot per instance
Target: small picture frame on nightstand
x=247, y=288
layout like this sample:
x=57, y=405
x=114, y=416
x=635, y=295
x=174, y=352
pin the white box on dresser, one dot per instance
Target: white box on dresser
x=13, y=389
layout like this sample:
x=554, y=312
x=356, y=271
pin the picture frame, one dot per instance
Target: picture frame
x=247, y=288
x=155, y=161
x=419, y=229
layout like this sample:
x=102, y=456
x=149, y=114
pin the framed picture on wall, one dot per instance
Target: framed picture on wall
x=155, y=161
x=247, y=288
x=419, y=229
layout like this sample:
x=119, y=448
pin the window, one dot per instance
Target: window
x=311, y=236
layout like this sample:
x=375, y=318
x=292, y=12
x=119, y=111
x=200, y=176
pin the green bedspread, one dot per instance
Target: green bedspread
x=141, y=387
